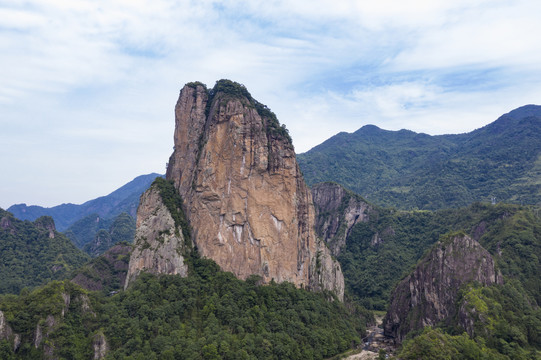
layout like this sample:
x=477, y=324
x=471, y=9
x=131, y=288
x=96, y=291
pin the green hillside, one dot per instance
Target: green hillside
x=407, y=170
x=378, y=253
x=94, y=234
x=33, y=253
x=208, y=315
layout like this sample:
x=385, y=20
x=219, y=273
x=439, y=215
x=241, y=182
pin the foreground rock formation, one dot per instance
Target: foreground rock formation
x=244, y=195
x=428, y=295
x=159, y=242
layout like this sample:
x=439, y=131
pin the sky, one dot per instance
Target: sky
x=88, y=87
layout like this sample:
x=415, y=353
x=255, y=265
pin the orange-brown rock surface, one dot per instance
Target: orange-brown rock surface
x=244, y=195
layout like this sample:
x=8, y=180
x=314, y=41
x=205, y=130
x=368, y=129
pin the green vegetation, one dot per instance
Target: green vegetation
x=506, y=326
x=372, y=269
x=70, y=335
x=106, y=272
x=505, y=318
x=29, y=257
x=94, y=235
x=208, y=315
x=435, y=344
x=233, y=89
x=417, y=171
x=173, y=201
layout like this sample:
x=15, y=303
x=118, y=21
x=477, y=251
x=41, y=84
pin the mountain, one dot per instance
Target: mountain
x=33, y=253
x=407, y=170
x=94, y=234
x=378, y=246
x=428, y=295
x=456, y=305
x=208, y=315
x=124, y=199
x=106, y=272
x=338, y=210
x=242, y=193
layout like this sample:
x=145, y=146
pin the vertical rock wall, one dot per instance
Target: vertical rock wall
x=429, y=294
x=159, y=243
x=244, y=195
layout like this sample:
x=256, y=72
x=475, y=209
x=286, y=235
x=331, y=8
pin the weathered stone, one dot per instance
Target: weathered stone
x=99, y=344
x=337, y=211
x=5, y=330
x=244, y=194
x=428, y=295
x=46, y=223
x=159, y=244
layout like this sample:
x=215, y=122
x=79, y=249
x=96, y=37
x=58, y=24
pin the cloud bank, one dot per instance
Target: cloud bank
x=88, y=87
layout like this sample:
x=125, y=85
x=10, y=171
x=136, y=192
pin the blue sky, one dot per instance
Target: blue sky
x=88, y=88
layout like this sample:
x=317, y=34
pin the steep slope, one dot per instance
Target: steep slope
x=51, y=322
x=428, y=295
x=243, y=193
x=107, y=272
x=95, y=235
x=160, y=244
x=456, y=304
x=383, y=247
x=34, y=253
x=208, y=315
x=337, y=211
x=409, y=170
x=124, y=199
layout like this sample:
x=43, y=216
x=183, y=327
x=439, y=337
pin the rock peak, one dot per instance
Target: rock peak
x=428, y=295
x=244, y=195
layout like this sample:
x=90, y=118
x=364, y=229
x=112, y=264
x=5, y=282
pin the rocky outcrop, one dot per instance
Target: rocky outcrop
x=46, y=223
x=159, y=242
x=337, y=211
x=6, y=224
x=244, y=195
x=6, y=333
x=100, y=346
x=429, y=294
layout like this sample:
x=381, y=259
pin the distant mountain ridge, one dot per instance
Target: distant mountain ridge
x=409, y=170
x=124, y=199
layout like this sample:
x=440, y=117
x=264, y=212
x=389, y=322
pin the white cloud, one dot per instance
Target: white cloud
x=89, y=86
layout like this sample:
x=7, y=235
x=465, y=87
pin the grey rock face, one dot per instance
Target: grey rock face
x=159, y=245
x=337, y=211
x=429, y=294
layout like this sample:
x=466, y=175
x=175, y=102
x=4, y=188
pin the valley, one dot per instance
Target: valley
x=395, y=246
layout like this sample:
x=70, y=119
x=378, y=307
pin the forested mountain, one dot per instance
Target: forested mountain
x=383, y=245
x=33, y=253
x=208, y=315
x=94, y=234
x=124, y=199
x=383, y=249
x=203, y=312
x=106, y=272
x=408, y=170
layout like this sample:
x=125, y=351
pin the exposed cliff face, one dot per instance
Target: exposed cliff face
x=243, y=192
x=46, y=223
x=159, y=243
x=429, y=294
x=337, y=211
x=6, y=333
x=100, y=346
